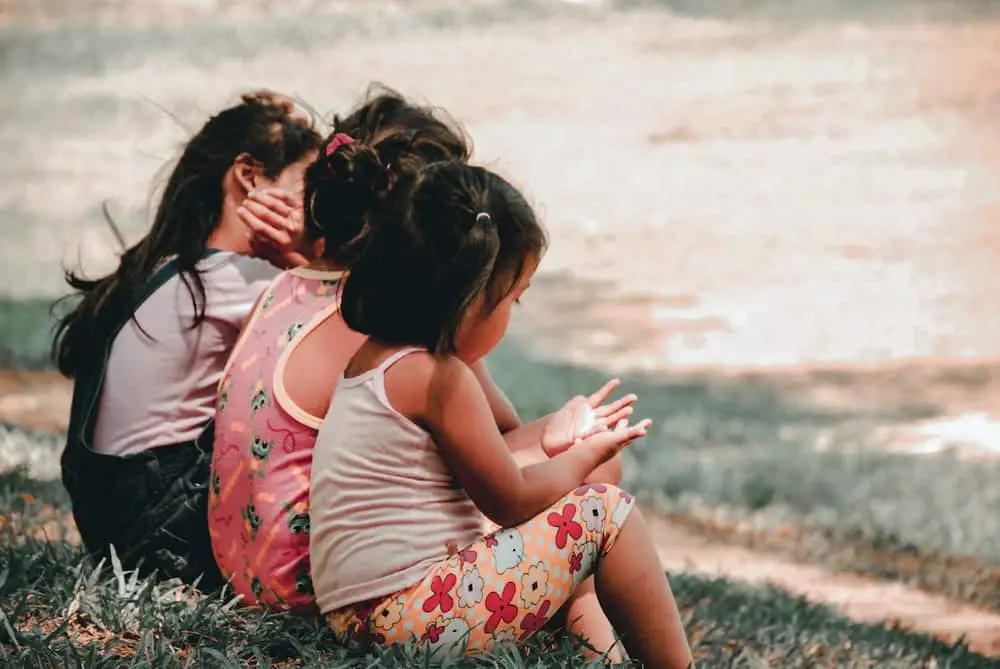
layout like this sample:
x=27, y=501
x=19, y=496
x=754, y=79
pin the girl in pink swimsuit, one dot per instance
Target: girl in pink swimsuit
x=278, y=381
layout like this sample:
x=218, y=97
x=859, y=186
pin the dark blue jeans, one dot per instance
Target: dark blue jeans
x=153, y=507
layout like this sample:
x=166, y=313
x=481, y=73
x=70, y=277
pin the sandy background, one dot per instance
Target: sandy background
x=802, y=183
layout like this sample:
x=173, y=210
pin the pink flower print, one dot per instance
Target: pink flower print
x=575, y=560
x=432, y=633
x=491, y=541
x=363, y=611
x=465, y=556
x=587, y=487
x=565, y=525
x=627, y=497
x=441, y=597
x=500, y=607
x=532, y=622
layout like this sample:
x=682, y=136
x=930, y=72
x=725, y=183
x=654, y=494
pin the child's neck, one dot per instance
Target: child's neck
x=231, y=234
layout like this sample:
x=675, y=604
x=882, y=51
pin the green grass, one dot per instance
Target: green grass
x=744, y=450
x=24, y=333
x=58, y=609
x=745, y=444
x=717, y=442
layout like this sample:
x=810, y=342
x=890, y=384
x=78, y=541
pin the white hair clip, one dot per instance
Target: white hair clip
x=483, y=217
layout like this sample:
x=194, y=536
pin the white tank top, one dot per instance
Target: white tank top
x=383, y=505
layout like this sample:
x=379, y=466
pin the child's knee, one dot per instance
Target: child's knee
x=609, y=472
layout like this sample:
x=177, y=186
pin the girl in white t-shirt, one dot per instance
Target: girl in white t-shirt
x=146, y=344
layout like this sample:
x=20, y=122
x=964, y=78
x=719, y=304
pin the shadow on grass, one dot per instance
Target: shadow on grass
x=755, y=444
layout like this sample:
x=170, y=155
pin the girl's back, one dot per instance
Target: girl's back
x=258, y=505
x=174, y=397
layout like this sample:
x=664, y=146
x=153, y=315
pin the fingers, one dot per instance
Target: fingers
x=274, y=217
x=277, y=198
x=628, y=433
x=616, y=406
x=603, y=393
x=633, y=432
x=610, y=442
x=604, y=423
x=618, y=416
x=272, y=213
x=261, y=232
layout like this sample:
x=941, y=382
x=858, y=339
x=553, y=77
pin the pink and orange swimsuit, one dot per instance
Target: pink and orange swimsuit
x=259, y=498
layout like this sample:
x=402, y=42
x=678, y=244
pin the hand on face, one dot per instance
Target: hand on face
x=275, y=225
x=585, y=417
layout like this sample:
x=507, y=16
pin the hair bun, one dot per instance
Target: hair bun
x=357, y=164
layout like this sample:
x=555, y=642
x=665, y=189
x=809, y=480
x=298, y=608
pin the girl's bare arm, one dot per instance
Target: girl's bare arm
x=457, y=413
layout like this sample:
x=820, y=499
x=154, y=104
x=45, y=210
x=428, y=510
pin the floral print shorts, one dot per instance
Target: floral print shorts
x=504, y=587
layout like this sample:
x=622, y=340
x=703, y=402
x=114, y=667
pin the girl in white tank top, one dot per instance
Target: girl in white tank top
x=409, y=455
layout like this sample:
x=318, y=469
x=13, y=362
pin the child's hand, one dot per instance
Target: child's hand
x=609, y=443
x=276, y=228
x=582, y=417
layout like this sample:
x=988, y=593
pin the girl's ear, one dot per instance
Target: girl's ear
x=245, y=172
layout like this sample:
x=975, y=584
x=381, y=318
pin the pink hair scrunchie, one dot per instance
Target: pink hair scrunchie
x=339, y=140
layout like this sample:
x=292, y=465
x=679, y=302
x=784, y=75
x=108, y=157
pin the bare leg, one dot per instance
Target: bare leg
x=584, y=616
x=634, y=591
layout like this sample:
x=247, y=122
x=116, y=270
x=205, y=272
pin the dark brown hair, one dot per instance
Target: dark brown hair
x=448, y=234
x=340, y=194
x=265, y=127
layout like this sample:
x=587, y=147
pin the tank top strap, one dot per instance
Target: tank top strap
x=396, y=357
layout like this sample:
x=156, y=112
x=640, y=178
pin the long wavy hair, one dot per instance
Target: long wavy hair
x=263, y=126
